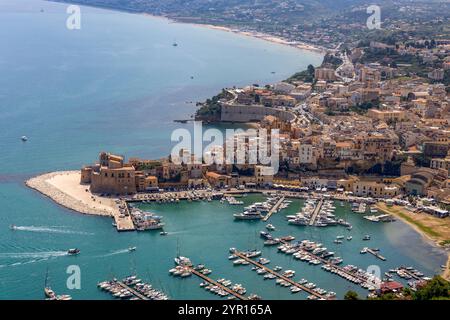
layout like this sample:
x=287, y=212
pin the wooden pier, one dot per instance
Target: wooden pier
x=274, y=209
x=316, y=213
x=221, y=286
x=280, y=276
x=376, y=254
x=134, y=292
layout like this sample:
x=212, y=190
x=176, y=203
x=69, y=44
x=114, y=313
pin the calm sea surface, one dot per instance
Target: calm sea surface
x=117, y=85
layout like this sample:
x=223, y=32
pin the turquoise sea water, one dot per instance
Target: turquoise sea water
x=117, y=85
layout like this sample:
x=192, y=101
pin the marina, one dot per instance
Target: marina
x=131, y=288
x=218, y=287
x=316, y=213
x=313, y=253
x=274, y=209
x=280, y=276
x=185, y=223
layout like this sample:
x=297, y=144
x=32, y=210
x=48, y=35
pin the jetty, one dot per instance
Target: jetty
x=122, y=217
x=215, y=283
x=340, y=271
x=316, y=213
x=376, y=254
x=411, y=274
x=274, y=209
x=134, y=292
x=280, y=276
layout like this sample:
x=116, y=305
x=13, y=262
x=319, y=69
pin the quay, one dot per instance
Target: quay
x=134, y=292
x=376, y=254
x=316, y=213
x=122, y=217
x=213, y=282
x=274, y=209
x=298, y=285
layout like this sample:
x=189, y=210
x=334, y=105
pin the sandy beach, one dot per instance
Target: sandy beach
x=64, y=188
x=433, y=229
x=258, y=35
x=267, y=37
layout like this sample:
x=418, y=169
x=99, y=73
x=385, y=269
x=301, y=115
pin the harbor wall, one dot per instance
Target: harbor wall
x=252, y=113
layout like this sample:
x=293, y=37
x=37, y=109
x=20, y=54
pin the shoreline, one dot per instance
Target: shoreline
x=252, y=34
x=433, y=240
x=300, y=45
x=54, y=185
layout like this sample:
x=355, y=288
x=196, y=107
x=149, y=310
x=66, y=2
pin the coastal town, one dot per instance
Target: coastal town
x=372, y=134
x=342, y=169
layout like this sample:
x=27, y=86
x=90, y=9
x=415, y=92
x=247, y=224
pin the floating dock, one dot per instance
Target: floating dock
x=316, y=213
x=134, y=292
x=280, y=276
x=376, y=254
x=274, y=209
x=412, y=275
x=333, y=266
x=213, y=282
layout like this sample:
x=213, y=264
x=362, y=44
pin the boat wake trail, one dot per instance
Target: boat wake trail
x=32, y=255
x=113, y=253
x=25, y=257
x=46, y=229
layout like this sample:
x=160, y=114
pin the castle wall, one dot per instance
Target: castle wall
x=245, y=113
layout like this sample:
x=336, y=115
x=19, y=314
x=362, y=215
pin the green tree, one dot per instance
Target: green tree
x=437, y=288
x=351, y=295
